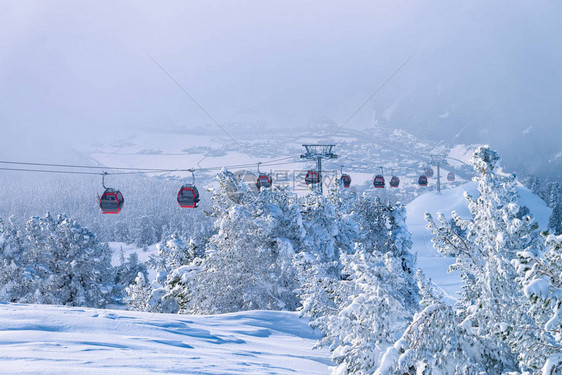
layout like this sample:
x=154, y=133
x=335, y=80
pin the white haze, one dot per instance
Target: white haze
x=482, y=72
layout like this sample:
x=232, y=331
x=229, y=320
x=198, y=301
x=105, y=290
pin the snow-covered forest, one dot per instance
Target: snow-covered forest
x=342, y=260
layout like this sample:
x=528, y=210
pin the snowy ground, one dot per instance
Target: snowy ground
x=44, y=339
x=429, y=260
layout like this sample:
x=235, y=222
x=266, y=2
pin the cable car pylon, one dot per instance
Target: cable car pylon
x=317, y=152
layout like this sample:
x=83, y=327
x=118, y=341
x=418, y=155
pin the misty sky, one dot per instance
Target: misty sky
x=482, y=71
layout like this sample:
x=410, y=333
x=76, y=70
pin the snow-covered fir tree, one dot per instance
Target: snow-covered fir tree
x=435, y=342
x=555, y=221
x=383, y=230
x=172, y=254
x=541, y=277
x=128, y=270
x=139, y=293
x=170, y=289
x=373, y=316
x=248, y=261
x=58, y=262
x=363, y=300
x=165, y=293
x=144, y=232
x=318, y=264
x=491, y=306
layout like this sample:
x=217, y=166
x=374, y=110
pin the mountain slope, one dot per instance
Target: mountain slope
x=55, y=339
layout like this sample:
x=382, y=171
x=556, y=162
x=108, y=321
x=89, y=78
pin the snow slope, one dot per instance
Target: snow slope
x=50, y=339
x=429, y=260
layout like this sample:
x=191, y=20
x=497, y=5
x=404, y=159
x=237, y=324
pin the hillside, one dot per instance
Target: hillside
x=55, y=340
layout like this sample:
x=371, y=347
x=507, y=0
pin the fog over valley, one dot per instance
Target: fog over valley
x=76, y=74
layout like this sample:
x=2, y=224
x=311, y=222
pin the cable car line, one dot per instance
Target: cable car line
x=86, y=166
x=137, y=170
x=201, y=107
x=47, y=171
x=133, y=170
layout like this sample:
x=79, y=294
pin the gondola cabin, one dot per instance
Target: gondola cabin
x=450, y=177
x=188, y=196
x=378, y=181
x=422, y=181
x=263, y=181
x=345, y=180
x=394, y=182
x=429, y=172
x=311, y=178
x=111, y=201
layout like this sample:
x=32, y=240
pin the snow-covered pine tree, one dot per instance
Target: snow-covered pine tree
x=555, y=221
x=554, y=194
x=434, y=343
x=139, y=294
x=248, y=262
x=168, y=292
x=491, y=302
x=539, y=187
x=373, y=317
x=81, y=266
x=363, y=307
x=172, y=254
x=319, y=270
x=144, y=231
x=59, y=262
x=541, y=277
x=320, y=291
x=128, y=270
x=346, y=218
x=383, y=230
x=16, y=280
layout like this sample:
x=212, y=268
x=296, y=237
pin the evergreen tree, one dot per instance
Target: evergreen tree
x=554, y=194
x=248, y=262
x=139, y=293
x=128, y=270
x=145, y=232
x=170, y=290
x=435, y=342
x=555, y=221
x=364, y=300
x=172, y=254
x=321, y=289
x=490, y=305
x=541, y=277
x=59, y=262
x=374, y=315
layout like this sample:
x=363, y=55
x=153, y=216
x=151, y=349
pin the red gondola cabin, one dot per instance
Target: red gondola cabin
x=111, y=201
x=311, y=178
x=394, y=182
x=450, y=177
x=422, y=181
x=378, y=181
x=263, y=181
x=346, y=180
x=188, y=196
